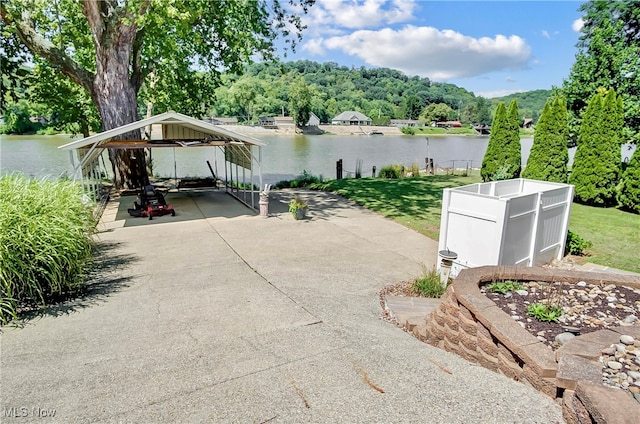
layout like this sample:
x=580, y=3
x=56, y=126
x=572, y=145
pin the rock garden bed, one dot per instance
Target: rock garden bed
x=477, y=328
x=584, y=308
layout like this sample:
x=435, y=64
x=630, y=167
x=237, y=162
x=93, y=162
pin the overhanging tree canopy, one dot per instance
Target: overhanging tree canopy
x=110, y=47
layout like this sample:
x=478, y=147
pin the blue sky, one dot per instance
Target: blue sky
x=491, y=48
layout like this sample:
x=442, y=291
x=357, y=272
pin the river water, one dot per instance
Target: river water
x=284, y=157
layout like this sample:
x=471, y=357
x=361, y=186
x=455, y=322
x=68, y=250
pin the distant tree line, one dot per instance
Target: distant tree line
x=329, y=89
x=266, y=89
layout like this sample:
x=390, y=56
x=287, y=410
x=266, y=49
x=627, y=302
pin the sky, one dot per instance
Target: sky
x=491, y=48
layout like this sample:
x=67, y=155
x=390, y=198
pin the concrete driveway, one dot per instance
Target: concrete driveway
x=235, y=318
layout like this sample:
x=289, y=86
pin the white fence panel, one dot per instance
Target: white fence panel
x=511, y=222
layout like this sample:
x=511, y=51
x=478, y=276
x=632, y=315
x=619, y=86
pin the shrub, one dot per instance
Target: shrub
x=576, y=245
x=502, y=159
x=596, y=166
x=415, y=170
x=503, y=287
x=549, y=156
x=46, y=242
x=408, y=130
x=629, y=191
x=303, y=180
x=243, y=186
x=544, y=312
x=391, y=171
x=428, y=285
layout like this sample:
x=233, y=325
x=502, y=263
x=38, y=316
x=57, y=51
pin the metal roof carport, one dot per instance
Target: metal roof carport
x=178, y=131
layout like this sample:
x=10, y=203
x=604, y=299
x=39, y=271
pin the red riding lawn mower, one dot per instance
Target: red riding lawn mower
x=151, y=204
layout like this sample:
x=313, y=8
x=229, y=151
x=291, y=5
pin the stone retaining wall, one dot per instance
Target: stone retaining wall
x=471, y=325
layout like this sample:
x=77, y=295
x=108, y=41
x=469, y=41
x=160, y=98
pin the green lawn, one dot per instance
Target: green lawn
x=417, y=203
x=413, y=202
x=615, y=235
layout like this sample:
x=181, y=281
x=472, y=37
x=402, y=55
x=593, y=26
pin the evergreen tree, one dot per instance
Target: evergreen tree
x=502, y=158
x=629, y=193
x=490, y=162
x=596, y=166
x=513, y=159
x=549, y=156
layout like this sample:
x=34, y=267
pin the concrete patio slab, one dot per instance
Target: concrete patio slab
x=236, y=318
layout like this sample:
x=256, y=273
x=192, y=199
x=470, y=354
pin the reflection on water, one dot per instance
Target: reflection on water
x=284, y=157
x=35, y=155
x=301, y=147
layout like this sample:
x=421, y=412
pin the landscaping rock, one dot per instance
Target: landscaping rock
x=563, y=338
x=614, y=365
x=628, y=340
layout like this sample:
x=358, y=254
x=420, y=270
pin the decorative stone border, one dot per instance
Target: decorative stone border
x=471, y=325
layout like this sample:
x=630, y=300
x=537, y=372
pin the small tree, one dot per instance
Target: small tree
x=300, y=101
x=549, y=156
x=502, y=160
x=596, y=166
x=513, y=157
x=629, y=192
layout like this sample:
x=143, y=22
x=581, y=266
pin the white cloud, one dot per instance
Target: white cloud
x=545, y=34
x=577, y=25
x=314, y=46
x=429, y=52
x=327, y=15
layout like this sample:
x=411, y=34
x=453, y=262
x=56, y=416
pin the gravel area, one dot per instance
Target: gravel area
x=585, y=307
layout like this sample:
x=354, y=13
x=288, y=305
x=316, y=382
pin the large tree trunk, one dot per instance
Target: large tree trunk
x=117, y=79
x=115, y=94
x=118, y=108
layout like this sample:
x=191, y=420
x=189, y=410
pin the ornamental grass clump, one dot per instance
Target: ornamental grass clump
x=46, y=243
x=429, y=285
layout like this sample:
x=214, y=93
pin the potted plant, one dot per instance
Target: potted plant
x=298, y=208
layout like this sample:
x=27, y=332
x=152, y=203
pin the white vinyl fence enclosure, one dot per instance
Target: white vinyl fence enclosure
x=511, y=222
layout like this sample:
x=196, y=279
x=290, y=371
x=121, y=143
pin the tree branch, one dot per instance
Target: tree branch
x=138, y=74
x=40, y=46
x=92, y=11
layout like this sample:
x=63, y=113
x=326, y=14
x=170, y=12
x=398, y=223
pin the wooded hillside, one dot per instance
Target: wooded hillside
x=380, y=93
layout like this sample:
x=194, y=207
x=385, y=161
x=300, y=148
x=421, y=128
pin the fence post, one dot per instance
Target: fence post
x=373, y=171
x=339, y=169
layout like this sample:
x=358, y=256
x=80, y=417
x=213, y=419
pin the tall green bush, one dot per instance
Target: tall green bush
x=502, y=160
x=394, y=171
x=629, y=190
x=596, y=166
x=549, y=156
x=46, y=241
x=513, y=157
x=491, y=162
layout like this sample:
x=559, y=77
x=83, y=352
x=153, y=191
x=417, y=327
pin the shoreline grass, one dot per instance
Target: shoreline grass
x=417, y=204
